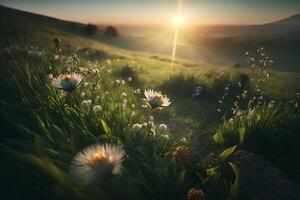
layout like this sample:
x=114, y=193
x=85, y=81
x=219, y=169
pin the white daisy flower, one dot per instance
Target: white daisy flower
x=156, y=99
x=67, y=82
x=163, y=127
x=95, y=163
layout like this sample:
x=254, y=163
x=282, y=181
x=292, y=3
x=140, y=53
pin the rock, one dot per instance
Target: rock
x=261, y=180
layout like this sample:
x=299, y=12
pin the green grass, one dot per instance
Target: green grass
x=271, y=131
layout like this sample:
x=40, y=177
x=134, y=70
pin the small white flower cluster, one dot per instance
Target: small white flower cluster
x=86, y=103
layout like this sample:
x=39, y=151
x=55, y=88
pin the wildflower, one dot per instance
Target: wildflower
x=129, y=79
x=133, y=114
x=152, y=132
x=183, y=140
x=151, y=118
x=163, y=127
x=181, y=154
x=251, y=113
x=85, y=84
x=67, y=82
x=82, y=94
x=137, y=127
x=166, y=136
x=124, y=94
x=195, y=194
x=86, y=103
x=118, y=81
x=133, y=105
x=137, y=91
x=156, y=99
x=145, y=124
x=95, y=163
x=124, y=103
x=123, y=82
x=95, y=71
x=97, y=109
x=56, y=57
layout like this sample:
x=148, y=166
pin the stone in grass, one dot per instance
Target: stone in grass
x=261, y=180
x=198, y=92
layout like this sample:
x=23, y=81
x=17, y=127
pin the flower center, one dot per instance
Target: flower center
x=66, y=78
x=97, y=158
x=158, y=97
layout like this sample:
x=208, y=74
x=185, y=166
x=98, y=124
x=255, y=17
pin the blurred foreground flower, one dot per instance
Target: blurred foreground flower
x=156, y=99
x=181, y=154
x=67, y=82
x=195, y=194
x=95, y=163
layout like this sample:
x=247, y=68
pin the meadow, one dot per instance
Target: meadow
x=83, y=119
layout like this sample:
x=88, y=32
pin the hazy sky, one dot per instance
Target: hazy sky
x=161, y=11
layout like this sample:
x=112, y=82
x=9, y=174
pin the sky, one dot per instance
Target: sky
x=207, y=12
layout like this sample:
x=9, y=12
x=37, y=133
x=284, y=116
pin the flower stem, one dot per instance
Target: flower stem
x=148, y=121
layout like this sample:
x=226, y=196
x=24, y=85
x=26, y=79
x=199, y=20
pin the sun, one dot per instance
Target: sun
x=178, y=21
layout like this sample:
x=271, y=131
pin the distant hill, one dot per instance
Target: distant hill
x=13, y=20
x=293, y=20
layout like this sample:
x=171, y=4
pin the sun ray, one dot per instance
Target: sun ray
x=177, y=22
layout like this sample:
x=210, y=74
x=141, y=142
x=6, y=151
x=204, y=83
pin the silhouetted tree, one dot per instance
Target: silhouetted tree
x=111, y=31
x=90, y=29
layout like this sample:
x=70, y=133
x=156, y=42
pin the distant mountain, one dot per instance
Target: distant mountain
x=293, y=20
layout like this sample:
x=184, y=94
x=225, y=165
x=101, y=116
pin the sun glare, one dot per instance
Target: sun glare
x=178, y=21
